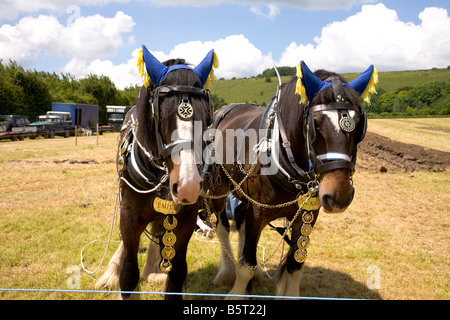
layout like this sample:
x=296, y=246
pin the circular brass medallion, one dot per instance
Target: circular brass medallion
x=170, y=226
x=307, y=217
x=165, y=266
x=120, y=163
x=168, y=253
x=347, y=124
x=300, y=255
x=185, y=111
x=306, y=229
x=303, y=242
x=169, y=239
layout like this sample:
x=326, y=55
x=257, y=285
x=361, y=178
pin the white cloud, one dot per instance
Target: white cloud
x=87, y=38
x=273, y=11
x=123, y=75
x=377, y=36
x=11, y=9
x=238, y=57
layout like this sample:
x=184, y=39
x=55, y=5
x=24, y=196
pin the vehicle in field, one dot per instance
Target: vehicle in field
x=50, y=125
x=15, y=127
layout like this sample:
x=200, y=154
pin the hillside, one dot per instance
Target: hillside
x=259, y=91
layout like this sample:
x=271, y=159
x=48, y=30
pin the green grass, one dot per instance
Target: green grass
x=48, y=212
x=259, y=91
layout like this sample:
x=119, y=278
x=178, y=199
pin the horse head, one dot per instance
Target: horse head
x=177, y=103
x=333, y=126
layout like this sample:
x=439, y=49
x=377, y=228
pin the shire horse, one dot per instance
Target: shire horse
x=307, y=143
x=159, y=179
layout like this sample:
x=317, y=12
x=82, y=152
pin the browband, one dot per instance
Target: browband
x=334, y=106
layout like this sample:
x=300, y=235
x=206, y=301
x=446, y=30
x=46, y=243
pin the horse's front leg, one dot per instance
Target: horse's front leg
x=152, y=271
x=247, y=263
x=131, y=228
x=291, y=271
x=183, y=232
x=226, y=273
x=110, y=278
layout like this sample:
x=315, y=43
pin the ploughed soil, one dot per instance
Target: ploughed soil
x=379, y=153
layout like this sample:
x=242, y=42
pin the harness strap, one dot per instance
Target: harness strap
x=287, y=145
x=328, y=166
x=223, y=114
x=181, y=144
x=282, y=232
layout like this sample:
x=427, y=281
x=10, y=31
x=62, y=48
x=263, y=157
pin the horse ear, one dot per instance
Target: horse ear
x=205, y=68
x=365, y=82
x=361, y=82
x=308, y=84
x=156, y=70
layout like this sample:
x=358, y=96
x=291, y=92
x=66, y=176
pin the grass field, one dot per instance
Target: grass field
x=395, y=233
x=259, y=91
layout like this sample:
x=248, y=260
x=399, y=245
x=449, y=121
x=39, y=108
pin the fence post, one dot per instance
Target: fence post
x=97, y=134
x=76, y=135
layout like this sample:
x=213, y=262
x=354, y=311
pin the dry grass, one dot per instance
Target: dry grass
x=433, y=133
x=49, y=211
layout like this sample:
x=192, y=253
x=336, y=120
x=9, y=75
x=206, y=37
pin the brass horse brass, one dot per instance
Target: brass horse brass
x=165, y=206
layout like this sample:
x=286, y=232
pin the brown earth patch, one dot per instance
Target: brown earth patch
x=383, y=154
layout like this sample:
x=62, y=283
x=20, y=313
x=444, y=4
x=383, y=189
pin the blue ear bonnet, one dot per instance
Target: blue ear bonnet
x=158, y=71
x=314, y=85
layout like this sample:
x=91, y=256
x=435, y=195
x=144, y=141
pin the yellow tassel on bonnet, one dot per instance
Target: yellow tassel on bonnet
x=141, y=68
x=300, y=88
x=212, y=76
x=371, y=86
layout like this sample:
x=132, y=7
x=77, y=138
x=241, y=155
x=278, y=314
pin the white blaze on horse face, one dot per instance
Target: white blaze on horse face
x=188, y=180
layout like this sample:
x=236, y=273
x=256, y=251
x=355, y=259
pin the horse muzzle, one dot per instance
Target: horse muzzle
x=185, y=189
x=336, y=191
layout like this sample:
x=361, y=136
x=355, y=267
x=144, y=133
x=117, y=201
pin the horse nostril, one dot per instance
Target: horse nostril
x=175, y=189
x=327, y=202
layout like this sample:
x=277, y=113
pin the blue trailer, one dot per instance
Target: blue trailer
x=82, y=115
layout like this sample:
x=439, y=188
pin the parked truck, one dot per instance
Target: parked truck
x=116, y=115
x=81, y=115
x=15, y=127
x=51, y=125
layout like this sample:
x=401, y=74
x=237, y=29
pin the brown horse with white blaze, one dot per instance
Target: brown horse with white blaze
x=303, y=158
x=160, y=179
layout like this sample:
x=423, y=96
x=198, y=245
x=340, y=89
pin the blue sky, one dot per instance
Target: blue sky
x=101, y=36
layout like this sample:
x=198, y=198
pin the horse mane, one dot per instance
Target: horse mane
x=327, y=96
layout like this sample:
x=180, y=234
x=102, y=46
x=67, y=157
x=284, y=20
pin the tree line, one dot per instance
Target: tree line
x=30, y=93
x=423, y=99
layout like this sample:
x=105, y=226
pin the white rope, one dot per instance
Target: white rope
x=108, y=241
x=163, y=180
